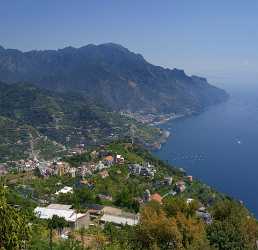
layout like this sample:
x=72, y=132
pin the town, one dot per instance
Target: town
x=95, y=177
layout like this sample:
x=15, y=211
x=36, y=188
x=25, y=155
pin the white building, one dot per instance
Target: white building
x=75, y=220
x=118, y=217
x=100, y=166
x=65, y=190
x=119, y=220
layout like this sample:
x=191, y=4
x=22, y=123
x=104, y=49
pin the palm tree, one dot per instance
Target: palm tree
x=55, y=223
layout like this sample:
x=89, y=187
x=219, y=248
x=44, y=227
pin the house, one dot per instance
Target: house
x=65, y=190
x=104, y=174
x=168, y=180
x=118, y=217
x=180, y=186
x=100, y=166
x=82, y=171
x=86, y=169
x=190, y=178
x=120, y=220
x=75, y=220
x=72, y=172
x=156, y=197
x=95, y=210
x=135, y=169
x=61, y=168
x=45, y=169
x=109, y=160
x=144, y=170
x=120, y=159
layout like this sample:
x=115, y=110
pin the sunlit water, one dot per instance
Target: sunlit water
x=220, y=146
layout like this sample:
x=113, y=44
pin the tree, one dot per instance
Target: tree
x=126, y=199
x=58, y=223
x=165, y=227
x=84, y=195
x=173, y=206
x=233, y=227
x=192, y=232
x=156, y=231
x=14, y=229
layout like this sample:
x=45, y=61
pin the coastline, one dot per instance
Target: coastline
x=171, y=117
x=165, y=133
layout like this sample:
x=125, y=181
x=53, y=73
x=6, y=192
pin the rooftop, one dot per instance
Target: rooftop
x=58, y=209
x=59, y=206
x=109, y=158
x=65, y=190
x=156, y=197
x=119, y=220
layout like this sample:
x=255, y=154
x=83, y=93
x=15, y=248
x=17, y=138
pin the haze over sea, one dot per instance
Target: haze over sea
x=220, y=145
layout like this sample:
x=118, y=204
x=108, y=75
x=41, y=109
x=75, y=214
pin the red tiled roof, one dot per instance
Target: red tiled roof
x=156, y=197
x=109, y=158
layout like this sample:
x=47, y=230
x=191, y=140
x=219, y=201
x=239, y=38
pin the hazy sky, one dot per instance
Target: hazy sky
x=214, y=38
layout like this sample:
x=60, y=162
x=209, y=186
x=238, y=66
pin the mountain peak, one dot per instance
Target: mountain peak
x=113, y=45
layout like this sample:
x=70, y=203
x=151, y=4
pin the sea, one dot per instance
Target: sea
x=220, y=145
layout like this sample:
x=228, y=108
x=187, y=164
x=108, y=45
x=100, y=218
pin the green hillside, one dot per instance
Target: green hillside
x=19, y=141
x=68, y=119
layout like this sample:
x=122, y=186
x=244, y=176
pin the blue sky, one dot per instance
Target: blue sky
x=217, y=39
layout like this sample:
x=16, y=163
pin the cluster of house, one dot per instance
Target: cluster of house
x=45, y=168
x=146, y=169
x=26, y=165
x=100, y=215
x=60, y=168
x=89, y=168
x=95, y=215
x=180, y=186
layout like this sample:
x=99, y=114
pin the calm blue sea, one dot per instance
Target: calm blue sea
x=220, y=146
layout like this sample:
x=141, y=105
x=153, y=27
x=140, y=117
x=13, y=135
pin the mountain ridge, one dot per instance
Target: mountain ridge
x=113, y=75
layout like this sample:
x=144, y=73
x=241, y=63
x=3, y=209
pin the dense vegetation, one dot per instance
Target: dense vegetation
x=174, y=225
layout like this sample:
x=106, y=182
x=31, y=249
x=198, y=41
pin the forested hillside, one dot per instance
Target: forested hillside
x=66, y=119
